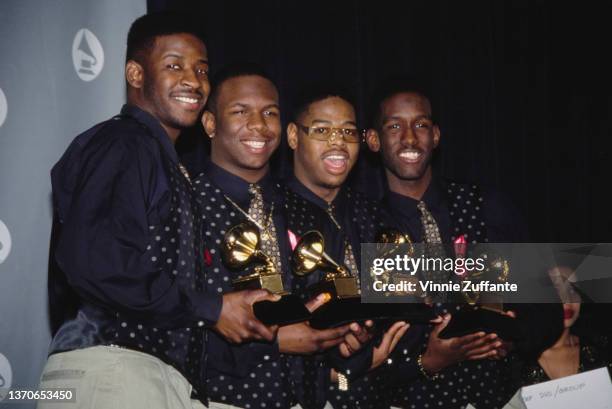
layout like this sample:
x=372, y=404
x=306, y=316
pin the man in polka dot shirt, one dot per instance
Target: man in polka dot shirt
x=242, y=121
x=325, y=141
x=447, y=373
x=127, y=242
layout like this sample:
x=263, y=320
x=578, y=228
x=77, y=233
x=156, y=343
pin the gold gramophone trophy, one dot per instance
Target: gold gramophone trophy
x=496, y=270
x=389, y=242
x=484, y=310
x=309, y=255
x=344, y=304
x=241, y=247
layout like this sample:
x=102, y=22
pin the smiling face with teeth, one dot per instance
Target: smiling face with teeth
x=406, y=139
x=171, y=81
x=323, y=166
x=245, y=126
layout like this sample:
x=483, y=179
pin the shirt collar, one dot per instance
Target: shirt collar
x=154, y=126
x=237, y=188
x=339, y=208
x=433, y=197
x=299, y=188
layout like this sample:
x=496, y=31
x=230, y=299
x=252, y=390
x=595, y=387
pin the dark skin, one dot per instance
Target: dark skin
x=302, y=339
x=171, y=83
x=323, y=166
x=237, y=322
x=245, y=116
x=406, y=139
x=442, y=353
x=244, y=126
x=314, y=160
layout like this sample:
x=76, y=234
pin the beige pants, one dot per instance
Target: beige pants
x=114, y=378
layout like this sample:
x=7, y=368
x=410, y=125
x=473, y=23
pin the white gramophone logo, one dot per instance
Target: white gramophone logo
x=3, y=107
x=6, y=376
x=5, y=243
x=87, y=55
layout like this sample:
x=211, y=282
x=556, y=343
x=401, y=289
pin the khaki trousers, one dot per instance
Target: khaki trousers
x=106, y=377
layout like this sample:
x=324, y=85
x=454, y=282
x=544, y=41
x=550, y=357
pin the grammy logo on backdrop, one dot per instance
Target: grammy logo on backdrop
x=87, y=58
x=87, y=55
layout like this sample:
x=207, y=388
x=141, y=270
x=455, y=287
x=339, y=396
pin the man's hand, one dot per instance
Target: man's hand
x=356, y=338
x=237, y=323
x=441, y=353
x=302, y=339
x=507, y=346
x=388, y=343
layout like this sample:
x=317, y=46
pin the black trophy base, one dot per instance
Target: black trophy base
x=471, y=319
x=288, y=310
x=343, y=311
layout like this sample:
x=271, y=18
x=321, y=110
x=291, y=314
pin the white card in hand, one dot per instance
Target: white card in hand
x=592, y=390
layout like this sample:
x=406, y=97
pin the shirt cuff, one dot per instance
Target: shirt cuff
x=207, y=309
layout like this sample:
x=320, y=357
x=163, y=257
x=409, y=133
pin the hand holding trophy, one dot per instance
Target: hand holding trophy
x=484, y=310
x=241, y=248
x=342, y=290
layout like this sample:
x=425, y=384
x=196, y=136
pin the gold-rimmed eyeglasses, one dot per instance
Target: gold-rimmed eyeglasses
x=326, y=133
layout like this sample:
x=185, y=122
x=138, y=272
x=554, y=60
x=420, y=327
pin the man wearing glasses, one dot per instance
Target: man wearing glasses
x=242, y=120
x=325, y=141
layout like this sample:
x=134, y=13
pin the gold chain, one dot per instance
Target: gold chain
x=183, y=170
x=266, y=228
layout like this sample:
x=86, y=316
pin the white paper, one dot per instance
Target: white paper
x=587, y=390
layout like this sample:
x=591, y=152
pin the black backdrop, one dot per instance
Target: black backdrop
x=520, y=88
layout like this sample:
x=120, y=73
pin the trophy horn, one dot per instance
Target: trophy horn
x=309, y=255
x=241, y=245
x=395, y=238
x=388, y=242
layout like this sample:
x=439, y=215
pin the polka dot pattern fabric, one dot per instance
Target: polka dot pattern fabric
x=359, y=219
x=173, y=247
x=262, y=377
x=466, y=212
x=481, y=383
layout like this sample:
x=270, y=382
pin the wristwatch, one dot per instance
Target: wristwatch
x=343, y=383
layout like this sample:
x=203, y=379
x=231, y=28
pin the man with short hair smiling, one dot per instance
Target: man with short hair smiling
x=452, y=372
x=128, y=239
x=243, y=122
x=325, y=141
